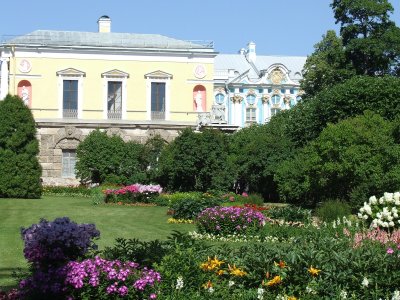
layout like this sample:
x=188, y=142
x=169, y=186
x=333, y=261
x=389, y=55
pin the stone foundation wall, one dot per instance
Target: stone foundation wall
x=57, y=136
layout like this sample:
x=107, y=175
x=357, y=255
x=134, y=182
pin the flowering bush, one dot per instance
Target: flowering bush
x=61, y=240
x=377, y=235
x=133, y=193
x=228, y=220
x=382, y=212
x=103, y=279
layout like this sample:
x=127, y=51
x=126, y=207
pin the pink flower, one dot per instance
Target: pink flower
x=389, y=251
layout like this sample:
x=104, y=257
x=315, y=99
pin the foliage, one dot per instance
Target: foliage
x=350, y=160
x=103, y=158
x=382, y=212
x=80, y=191
x=19, y=166
x=351, y=98
x=256, y=152
x=230, y=220
x=103, y=279
x=326, y=66
x=196, y=162
x=332, y=210
x=133, y=194
x=142, y=252
x=290, y=213
x=370, y=39
x=189, y=208
x=152, y=152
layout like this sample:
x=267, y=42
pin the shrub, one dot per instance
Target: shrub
x=49, y=246
x=69, y=191
x=55, y=242
x=142, y=252
x=230, y=220
x=20, y=170
x=290, y=213
x=332, y=210
x=383, y=212
x=191, y=207
x=133, y=194
x=102, y=279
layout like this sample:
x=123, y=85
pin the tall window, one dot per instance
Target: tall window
x=251, y=115
x=158, y=100
x=68, y=163
x=70, y=98
x=274, y=111
x=275, y=99
x=114, y=100
x=251, y=99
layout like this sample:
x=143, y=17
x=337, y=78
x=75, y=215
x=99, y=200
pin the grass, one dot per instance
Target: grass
x=144, y=223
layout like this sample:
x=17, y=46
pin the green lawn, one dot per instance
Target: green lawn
x=145, y=223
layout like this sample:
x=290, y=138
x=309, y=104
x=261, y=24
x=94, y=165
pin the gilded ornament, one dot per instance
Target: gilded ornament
x=237, y=98
x=276, y=76
x=265, y=98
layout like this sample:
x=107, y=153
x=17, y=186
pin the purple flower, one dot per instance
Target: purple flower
x=389, y=251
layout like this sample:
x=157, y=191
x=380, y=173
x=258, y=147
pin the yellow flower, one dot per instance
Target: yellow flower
x=291, y=298
x=208, y=285
x=281, y=264
x=220, y=272
x=211, y=264
x=314, y=271
x=274, y=281
x=235, y=271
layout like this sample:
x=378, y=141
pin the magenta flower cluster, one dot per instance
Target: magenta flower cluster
x=58, y=241
x=230, y=220
x=136, y=188
x=112, y=278
x=133, y=193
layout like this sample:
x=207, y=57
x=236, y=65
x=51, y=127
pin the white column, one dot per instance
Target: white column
x=4, y=78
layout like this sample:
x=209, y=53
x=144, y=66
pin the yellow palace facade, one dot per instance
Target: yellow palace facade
x=134, y=85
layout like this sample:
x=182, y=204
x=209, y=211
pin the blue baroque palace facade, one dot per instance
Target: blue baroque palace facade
x=251, y=89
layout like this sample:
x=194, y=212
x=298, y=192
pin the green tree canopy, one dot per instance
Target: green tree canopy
x=370, y=38
x=20, y=170
x=351, y=160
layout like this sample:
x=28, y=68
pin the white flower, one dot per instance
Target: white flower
x=179, y=283
x=396, y=196
x=397, y=202
x=365, y=217
x=373, y=200
x=365, y=282
x=260, y=293
x=343, y=294
x=360, y=215
x=396, y=295
x=231, y=283
x=391, y=224
x=310, y=290
x=381, y=200
x=388, y=197
x=211, y=290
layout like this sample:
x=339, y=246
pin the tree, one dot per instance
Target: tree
x=351, y=160
x=196, y=162
x=370, y=38
x=327, y=66
x=20, y=170
x=103, y=158
x=348, y=99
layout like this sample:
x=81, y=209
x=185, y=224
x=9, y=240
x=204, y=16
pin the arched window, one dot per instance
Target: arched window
x=199, y=98
x=251, y=99
x=275, y=99
x=219, y=98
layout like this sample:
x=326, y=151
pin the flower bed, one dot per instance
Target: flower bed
x=135, y=193
x=230, y=220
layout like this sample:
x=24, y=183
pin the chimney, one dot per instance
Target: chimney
x=242, y=51
x=251, y=52
x=104, y=24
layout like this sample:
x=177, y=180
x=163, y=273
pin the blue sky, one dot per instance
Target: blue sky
x=278, y=27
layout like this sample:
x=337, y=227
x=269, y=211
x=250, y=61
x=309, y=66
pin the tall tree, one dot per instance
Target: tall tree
x=327, y=66
x=370, y=39
x=20, y=170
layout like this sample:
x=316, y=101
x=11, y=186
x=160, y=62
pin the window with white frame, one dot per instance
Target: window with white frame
x=114, y=82
x=274, y=111
x=251, y=99
x=68, y=163
x=251, y=115
x=70, y=92
x=275, y=99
